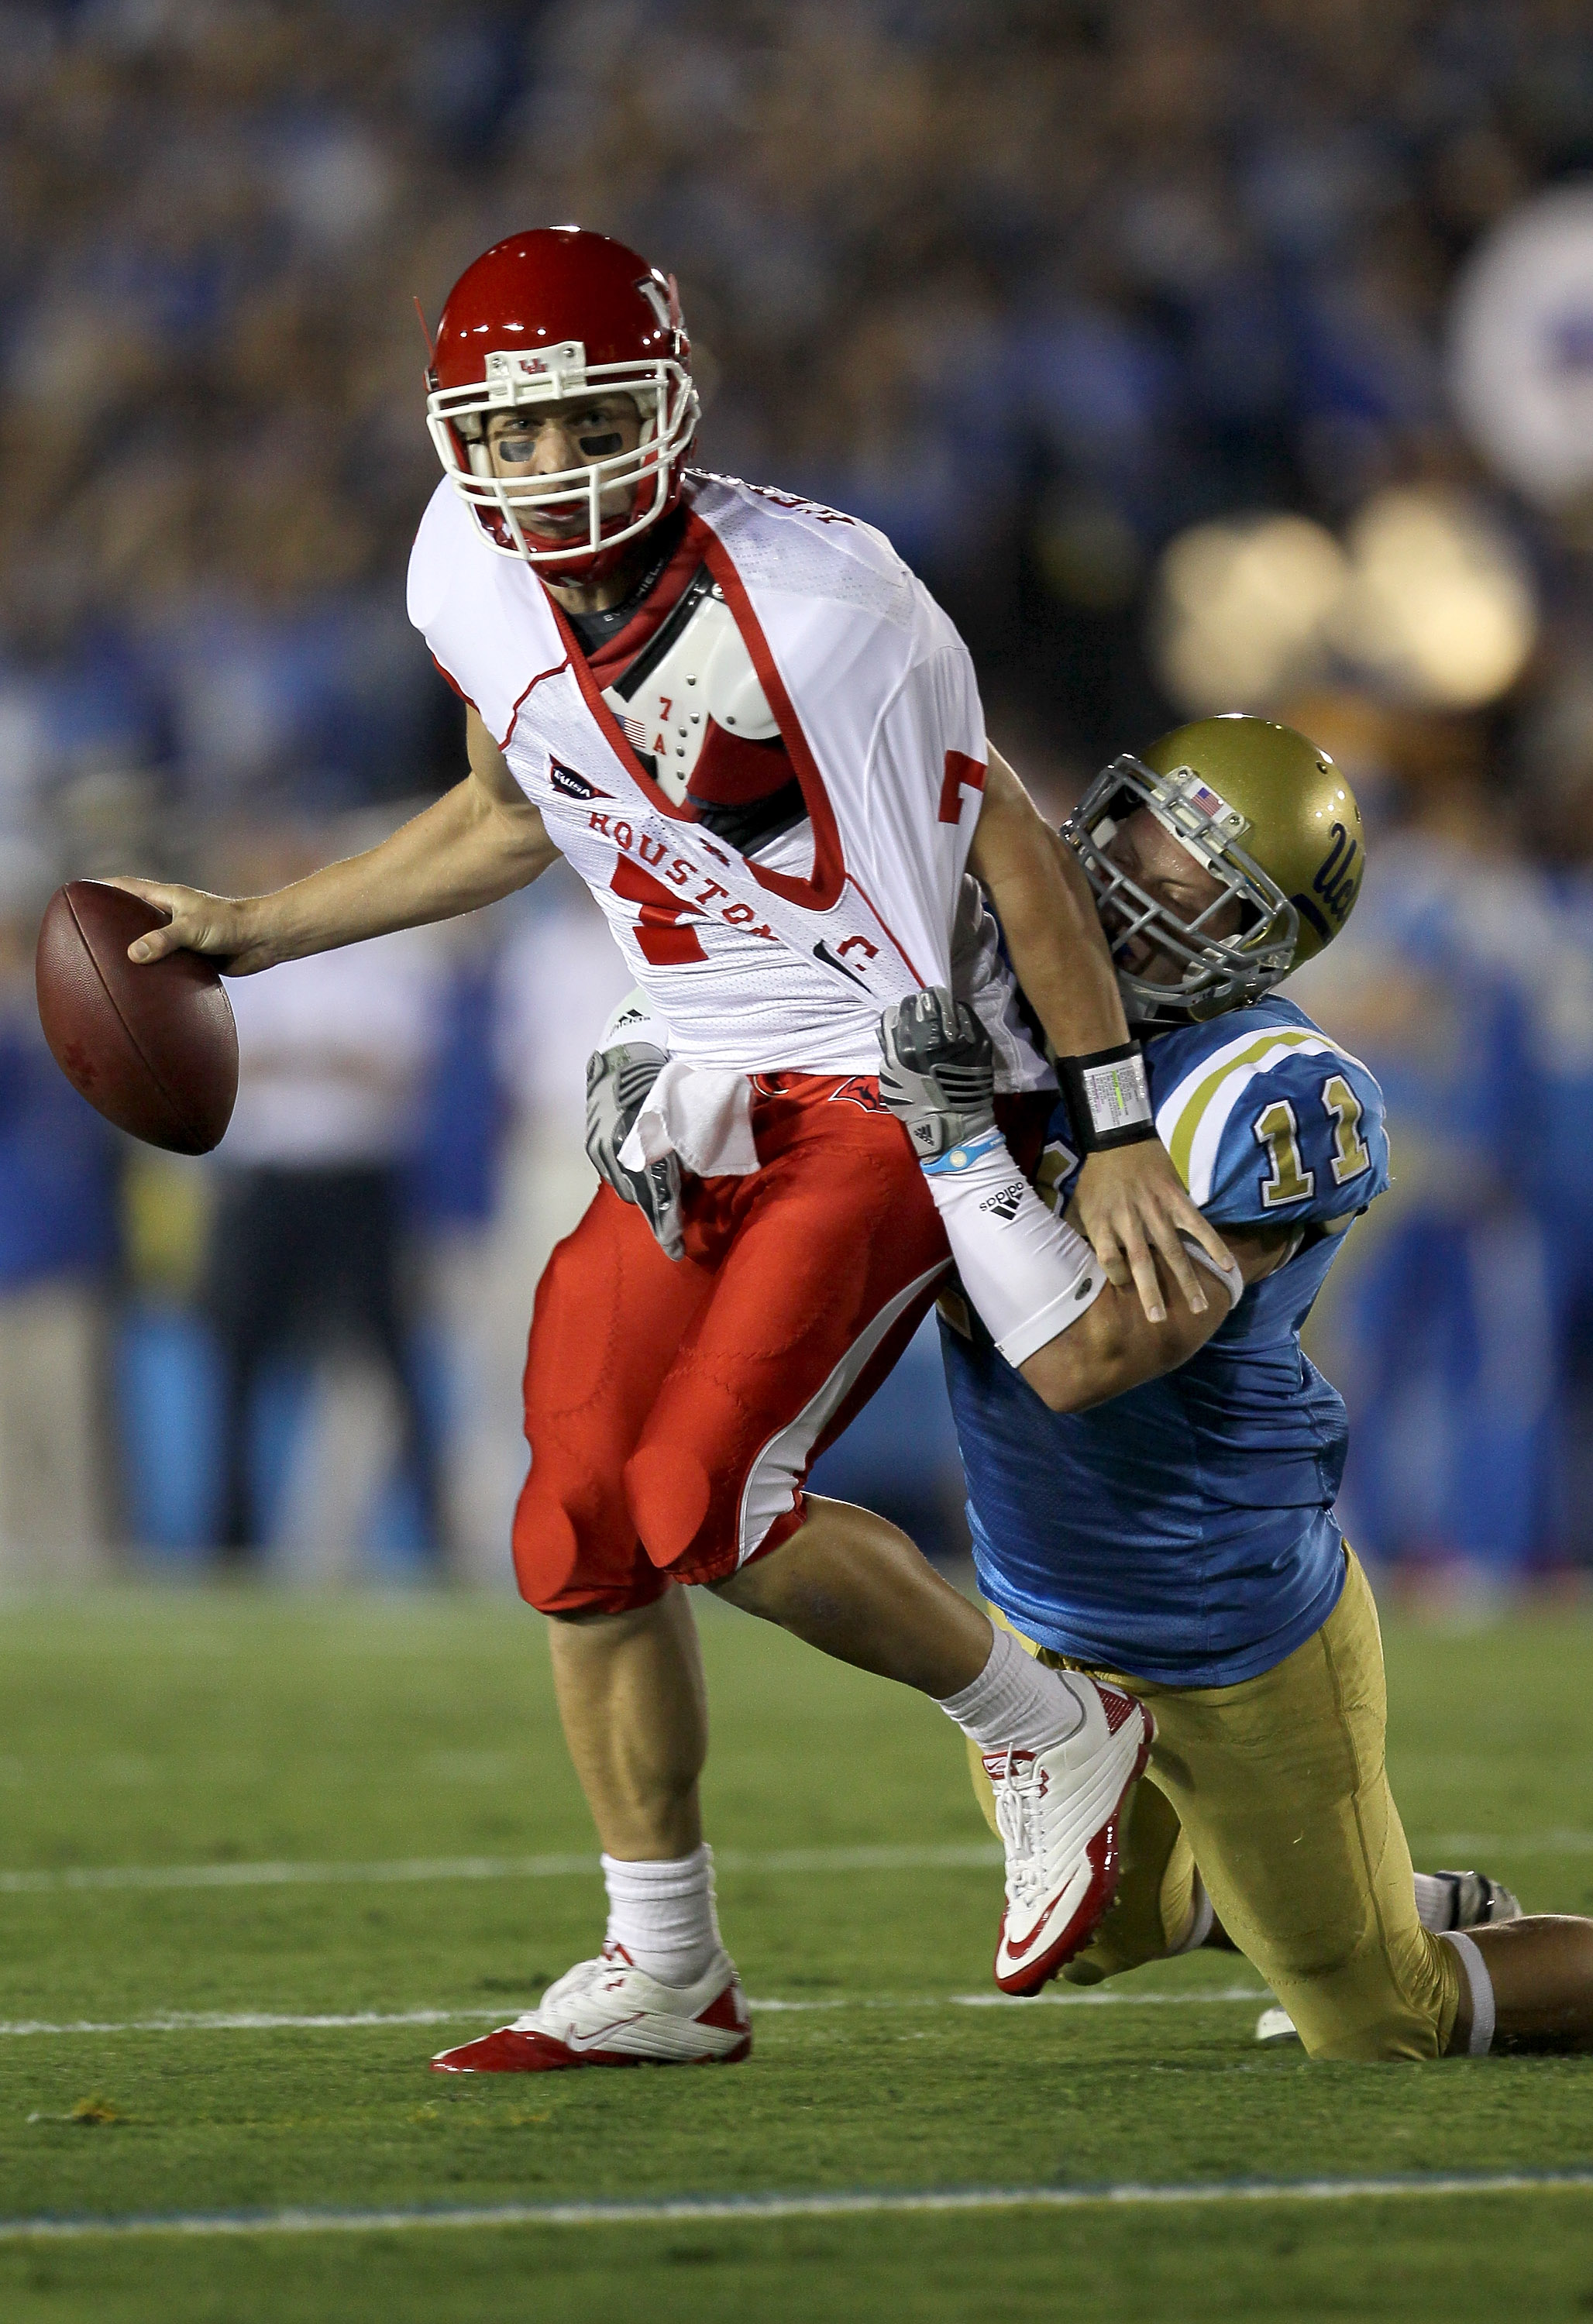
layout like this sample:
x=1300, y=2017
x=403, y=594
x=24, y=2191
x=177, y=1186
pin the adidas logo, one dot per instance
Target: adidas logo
x=1006, y=1204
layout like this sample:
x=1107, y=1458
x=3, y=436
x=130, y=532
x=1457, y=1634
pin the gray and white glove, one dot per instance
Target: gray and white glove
x=617, y=1083
x=939, y=1072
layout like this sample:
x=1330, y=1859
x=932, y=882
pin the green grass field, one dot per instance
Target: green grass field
x=262, y=1749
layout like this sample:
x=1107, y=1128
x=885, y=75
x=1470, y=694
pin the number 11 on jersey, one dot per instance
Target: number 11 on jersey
x=1276, y=1131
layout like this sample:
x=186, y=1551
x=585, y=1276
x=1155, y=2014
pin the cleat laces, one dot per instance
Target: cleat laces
x=1018, y=1821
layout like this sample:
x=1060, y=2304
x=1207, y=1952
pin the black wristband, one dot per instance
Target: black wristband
x=1108, y=1097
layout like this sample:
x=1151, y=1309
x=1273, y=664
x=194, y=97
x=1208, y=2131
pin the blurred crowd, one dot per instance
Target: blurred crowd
x=1037, y=288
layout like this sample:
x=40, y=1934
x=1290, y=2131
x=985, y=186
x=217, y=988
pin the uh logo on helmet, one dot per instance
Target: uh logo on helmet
x=1269, y=817
x=541, y=320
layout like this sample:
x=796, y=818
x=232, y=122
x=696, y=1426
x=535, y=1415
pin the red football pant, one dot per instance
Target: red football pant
x=675, y=1407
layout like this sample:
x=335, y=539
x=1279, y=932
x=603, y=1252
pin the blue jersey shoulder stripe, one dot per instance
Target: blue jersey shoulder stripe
x=1192, y=1118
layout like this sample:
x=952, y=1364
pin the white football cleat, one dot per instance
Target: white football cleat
x=609, y=2013
x=1274, y=2026
x=1059, y=1813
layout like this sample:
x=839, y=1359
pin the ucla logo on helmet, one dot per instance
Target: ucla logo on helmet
x=1337, y=882
x=1338, y=878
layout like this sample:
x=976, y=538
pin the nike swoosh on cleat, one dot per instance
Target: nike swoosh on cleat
x=1103, y=1855
x=1041, y=1925
x=592, y=2041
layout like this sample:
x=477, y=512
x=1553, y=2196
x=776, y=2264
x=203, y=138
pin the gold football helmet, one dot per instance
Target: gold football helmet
x=1269, y=815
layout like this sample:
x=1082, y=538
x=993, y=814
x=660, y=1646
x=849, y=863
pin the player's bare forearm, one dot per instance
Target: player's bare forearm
x=1114, y=1346
x=1131, y=1201
x=466, y=850
x=479, y=842
x=1048, y=917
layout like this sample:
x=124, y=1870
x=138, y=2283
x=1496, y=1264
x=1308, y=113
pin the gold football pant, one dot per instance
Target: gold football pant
x=1276, y=1789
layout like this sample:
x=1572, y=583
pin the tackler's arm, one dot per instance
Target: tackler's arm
x=1042, y=1294
x=1114, y=1346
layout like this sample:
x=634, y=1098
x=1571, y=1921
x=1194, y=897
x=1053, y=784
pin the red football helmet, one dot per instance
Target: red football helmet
x=541, y=319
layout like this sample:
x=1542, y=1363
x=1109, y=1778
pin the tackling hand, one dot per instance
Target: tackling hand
x=617, y=1083
x=1131, y=1204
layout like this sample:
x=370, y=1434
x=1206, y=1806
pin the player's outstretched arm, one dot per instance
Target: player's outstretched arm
x=1131, y=1204
x=481, y=840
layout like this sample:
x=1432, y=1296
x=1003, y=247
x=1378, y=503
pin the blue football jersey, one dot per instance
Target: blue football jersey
x=1184, y=1532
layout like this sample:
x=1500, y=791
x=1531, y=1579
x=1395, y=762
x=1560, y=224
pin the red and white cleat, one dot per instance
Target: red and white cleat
x=1061, y=1814
x=609, y=2013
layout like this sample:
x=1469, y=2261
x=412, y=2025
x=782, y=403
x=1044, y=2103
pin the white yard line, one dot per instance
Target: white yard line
x=1512, y=1843
x=242, y=2021
x=732, y=2209
x=265, y=2021
x=957, y=1859
x=407, y=1870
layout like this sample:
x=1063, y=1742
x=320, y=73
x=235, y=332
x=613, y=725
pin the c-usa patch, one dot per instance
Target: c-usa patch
x=573, y=786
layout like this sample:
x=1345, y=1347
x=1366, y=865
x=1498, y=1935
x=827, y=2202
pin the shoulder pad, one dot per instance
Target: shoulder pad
x=697, y=669
x=1276, y=1122
x=780, y=541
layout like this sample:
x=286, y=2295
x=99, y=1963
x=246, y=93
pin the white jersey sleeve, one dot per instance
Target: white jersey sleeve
x=928, y=743
x=982, y=975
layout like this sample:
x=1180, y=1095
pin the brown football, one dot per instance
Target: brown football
x=155, y=1048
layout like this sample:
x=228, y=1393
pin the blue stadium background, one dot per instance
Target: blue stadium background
x=1043, y=290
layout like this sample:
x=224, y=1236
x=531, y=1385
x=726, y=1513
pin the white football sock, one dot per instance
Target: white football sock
x=1482, y=1992
x=1435, y=1902
x=664, y=1914
x=1016, y=1703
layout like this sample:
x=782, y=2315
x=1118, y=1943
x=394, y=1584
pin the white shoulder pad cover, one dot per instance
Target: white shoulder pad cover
x=705, y=673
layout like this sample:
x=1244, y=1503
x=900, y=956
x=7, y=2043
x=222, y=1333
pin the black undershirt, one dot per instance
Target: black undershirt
x=595, y=630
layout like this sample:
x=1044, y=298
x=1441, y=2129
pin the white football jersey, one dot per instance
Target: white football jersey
x=783, y=961
x=981, y=974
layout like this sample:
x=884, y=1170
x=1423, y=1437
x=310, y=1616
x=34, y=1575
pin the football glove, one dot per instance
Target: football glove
x=617, y=1083
x=939, y=1072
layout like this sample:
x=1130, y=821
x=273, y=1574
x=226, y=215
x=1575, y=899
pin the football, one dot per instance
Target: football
x=156, y=1048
